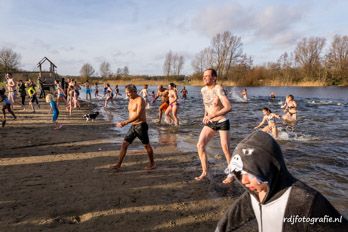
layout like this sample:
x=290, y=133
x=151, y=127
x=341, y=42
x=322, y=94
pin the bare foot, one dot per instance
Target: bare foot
x=229, y=180
x=150, y=167
x=201, y=177
x=116, y=167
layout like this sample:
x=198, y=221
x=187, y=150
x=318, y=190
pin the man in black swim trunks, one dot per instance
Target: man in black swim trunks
x=139, y=128
x=216, y=106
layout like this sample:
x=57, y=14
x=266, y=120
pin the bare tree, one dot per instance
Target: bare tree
x=337, y=58
x=9, y=59
x=181, y=62
x=167, y=65
x=307, y=54
x=125, y=70
x=203, y=60
x=87, y=71
x=105, y=69
x=119, y=72
x=227, y=50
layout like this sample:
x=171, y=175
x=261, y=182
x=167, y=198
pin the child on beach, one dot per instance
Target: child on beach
x=54, y=110
x=269, y=117
x=32, y=95
x=6, y=105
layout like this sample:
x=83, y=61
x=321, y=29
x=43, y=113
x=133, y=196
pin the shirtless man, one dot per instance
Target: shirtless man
x=139, y=128
x=144, y=93
x=11, y=88
x=216, y=106
x=164, y=94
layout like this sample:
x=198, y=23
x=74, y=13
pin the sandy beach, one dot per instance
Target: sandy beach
x=60, y=180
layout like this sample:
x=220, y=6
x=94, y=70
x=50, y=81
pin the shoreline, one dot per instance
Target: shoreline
x=65, y=176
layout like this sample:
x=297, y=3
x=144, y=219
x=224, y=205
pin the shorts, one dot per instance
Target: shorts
x=164, y=106
x=216, y=126
x=140, y=131
x=55, y=116
x=88, y=91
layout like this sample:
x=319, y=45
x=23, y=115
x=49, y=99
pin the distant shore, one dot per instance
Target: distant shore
x=200, y=83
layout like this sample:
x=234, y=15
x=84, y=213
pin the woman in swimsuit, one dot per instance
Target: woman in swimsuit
x=290, y=109
x=269, y=117
x=173, y=104
x=109, y=95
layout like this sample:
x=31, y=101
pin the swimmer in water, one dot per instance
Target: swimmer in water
x=290, y=109
x=272, y=96
x=245, y=94
x=184, y=93
x=269, y=117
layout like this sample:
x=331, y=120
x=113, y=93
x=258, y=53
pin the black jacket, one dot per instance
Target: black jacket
x=260, y=155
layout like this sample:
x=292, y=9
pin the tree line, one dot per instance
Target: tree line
x=309, y=61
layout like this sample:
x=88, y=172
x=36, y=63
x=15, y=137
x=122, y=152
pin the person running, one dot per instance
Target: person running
x=153, y=97
x=117, y=91
x=163, y=93
x=61, y=97
x=216, y=105
x=269, y=117
x=40, y=82
x=245, y=94
x=32, y=95
x=109, y=95
x=139, y=128
x=290, y=109
x=173, y=105
x=71, y=97
x=96, y=91
x=88, y=91
x=23, y=92
x=184, y=93
x=54, y=110
x=144, y=94
x=6, y=105
x=11, y=88
x=105, y=89
x=76, y=95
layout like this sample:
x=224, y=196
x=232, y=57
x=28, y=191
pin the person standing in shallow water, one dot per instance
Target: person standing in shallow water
x=216, y=106
x=139, y=128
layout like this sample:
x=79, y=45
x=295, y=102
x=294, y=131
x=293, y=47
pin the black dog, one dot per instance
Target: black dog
x=91, y=116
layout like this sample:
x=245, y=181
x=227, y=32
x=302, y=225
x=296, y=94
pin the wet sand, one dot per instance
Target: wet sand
x=60, y=180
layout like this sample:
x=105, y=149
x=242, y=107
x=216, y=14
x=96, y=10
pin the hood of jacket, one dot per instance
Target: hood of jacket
x=260, y=155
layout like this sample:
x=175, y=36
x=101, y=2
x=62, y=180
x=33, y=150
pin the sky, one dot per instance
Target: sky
x=138, y=33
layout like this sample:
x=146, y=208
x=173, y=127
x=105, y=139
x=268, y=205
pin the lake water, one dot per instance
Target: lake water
x=316, y=152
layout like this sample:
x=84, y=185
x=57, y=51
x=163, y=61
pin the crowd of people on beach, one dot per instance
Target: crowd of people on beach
x=273, y=198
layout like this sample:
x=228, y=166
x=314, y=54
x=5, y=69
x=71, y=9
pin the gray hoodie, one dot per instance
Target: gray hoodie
x=260, y=155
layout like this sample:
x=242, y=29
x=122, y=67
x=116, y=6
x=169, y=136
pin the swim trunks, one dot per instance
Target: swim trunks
x=138, y=131
x=88, y=91
x=164, y=106
x=216, y=126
